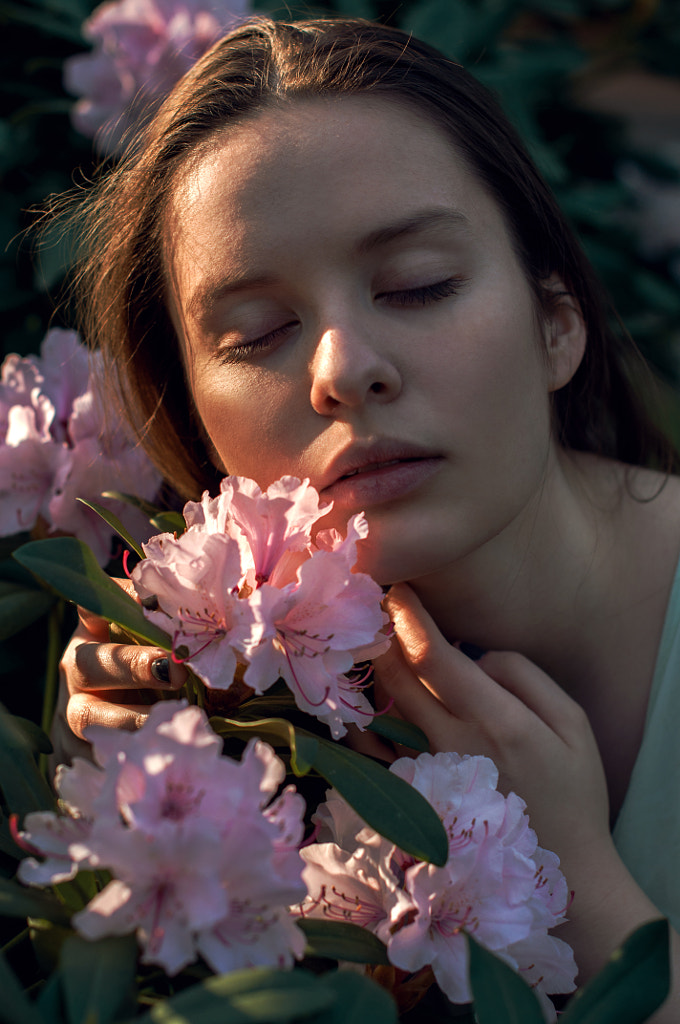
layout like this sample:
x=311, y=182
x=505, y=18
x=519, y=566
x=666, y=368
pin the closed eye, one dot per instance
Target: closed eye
x=423, y=295
x=247, y=349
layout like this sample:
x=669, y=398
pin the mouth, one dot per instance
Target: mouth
x=373, y=467
x=366, y=474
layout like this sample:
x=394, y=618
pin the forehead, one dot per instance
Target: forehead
x=317, y=173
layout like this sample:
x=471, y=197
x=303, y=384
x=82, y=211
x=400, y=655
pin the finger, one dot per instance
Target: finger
x=85, y=710
x=104, y=666
x=455, y=680
x=92, y=627
x=412, y=700
x=535, y=689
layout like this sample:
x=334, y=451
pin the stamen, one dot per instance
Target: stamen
x=314, y=704
x=126, y=556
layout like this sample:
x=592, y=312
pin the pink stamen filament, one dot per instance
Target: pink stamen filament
x=452, y=924
x=126, y=557
x=312, y=838
x=24, y=843
x=356, y=910
x=314, y=704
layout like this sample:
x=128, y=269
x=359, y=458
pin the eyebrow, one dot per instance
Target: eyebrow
x=206, y=295
x=419, y=222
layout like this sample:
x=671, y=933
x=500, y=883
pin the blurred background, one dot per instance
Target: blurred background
x=592, y=85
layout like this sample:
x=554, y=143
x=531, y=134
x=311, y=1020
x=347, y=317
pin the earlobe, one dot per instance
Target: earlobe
x=565, y=334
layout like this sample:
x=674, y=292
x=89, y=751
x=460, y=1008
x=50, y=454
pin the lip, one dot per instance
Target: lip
x=371, y=473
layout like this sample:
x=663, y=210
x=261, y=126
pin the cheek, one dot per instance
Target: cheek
x=250, y=422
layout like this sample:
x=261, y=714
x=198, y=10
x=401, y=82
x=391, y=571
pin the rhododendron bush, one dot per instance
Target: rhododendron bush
x=61, y=440
x=190, y=848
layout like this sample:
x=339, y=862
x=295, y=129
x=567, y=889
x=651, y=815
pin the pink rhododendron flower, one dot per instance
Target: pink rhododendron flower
x=497, y=885
x=204, y=860
x=246, y=583
x=58, y=442
x=141, y=49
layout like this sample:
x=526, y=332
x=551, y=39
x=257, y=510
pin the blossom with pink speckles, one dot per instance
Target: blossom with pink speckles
x=497, y=885
x=246, y=583
x=141, y=48
x=60, y=442
x=204, y=860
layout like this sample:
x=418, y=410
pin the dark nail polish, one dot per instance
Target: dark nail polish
x=160, y=670
x=472, y=651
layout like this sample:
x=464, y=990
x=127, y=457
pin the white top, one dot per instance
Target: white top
x=647, y=831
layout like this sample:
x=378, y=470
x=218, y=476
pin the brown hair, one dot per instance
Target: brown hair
x=121, y=277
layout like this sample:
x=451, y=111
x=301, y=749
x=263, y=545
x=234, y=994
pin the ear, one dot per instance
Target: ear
x=565, y=333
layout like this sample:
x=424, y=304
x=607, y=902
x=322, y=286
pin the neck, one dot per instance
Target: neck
x=538, y=587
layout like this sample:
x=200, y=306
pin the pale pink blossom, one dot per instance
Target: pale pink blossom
x=204, y=856
x=141, y=48
x=497, y=885
x=313, y=633
x=247, y=583
x=59, y=442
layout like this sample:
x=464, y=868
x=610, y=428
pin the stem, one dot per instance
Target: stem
x=54, y=647
x=21, y=937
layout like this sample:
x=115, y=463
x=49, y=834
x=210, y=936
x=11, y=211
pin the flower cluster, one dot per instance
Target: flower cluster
x=58, y=442
x=497, y=885
x=246, y=584
x=204, y=862
x=141, y=49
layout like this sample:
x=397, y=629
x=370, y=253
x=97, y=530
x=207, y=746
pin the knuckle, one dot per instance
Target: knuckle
x=80, y=714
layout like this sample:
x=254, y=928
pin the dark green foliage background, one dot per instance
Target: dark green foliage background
x=536, y=53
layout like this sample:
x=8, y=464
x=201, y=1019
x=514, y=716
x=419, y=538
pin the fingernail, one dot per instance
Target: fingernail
x=160, y=670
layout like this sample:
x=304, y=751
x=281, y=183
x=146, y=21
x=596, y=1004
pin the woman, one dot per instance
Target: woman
x=330, y=256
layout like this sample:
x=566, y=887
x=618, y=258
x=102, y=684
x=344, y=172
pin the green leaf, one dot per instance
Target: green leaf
x=114, y=522
x=276, y=731
x=50, y=1001
x=500, y=994
x=22, y=785
x=15, y=1006
x=20, y=606
x=169, y=522
x=387, y=803
x=342, y=940
x=37, y=740
x=146, y=507
x=21, y=901
x=398, y=731
x=97, y=978
x=631, y=986
x=252, y=996
x=359, y=999
x=69, y=566
x=164, y=522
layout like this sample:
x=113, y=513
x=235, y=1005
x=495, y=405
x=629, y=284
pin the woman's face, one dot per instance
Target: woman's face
x=351, y=310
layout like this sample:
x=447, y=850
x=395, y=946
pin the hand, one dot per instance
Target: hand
x=102, y=683
x=505, y=707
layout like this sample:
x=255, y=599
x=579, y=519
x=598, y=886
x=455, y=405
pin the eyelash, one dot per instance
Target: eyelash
x=247, y=349
x=425, y=294
x=422, y=296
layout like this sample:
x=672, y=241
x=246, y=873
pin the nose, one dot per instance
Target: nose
x=348, y=370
